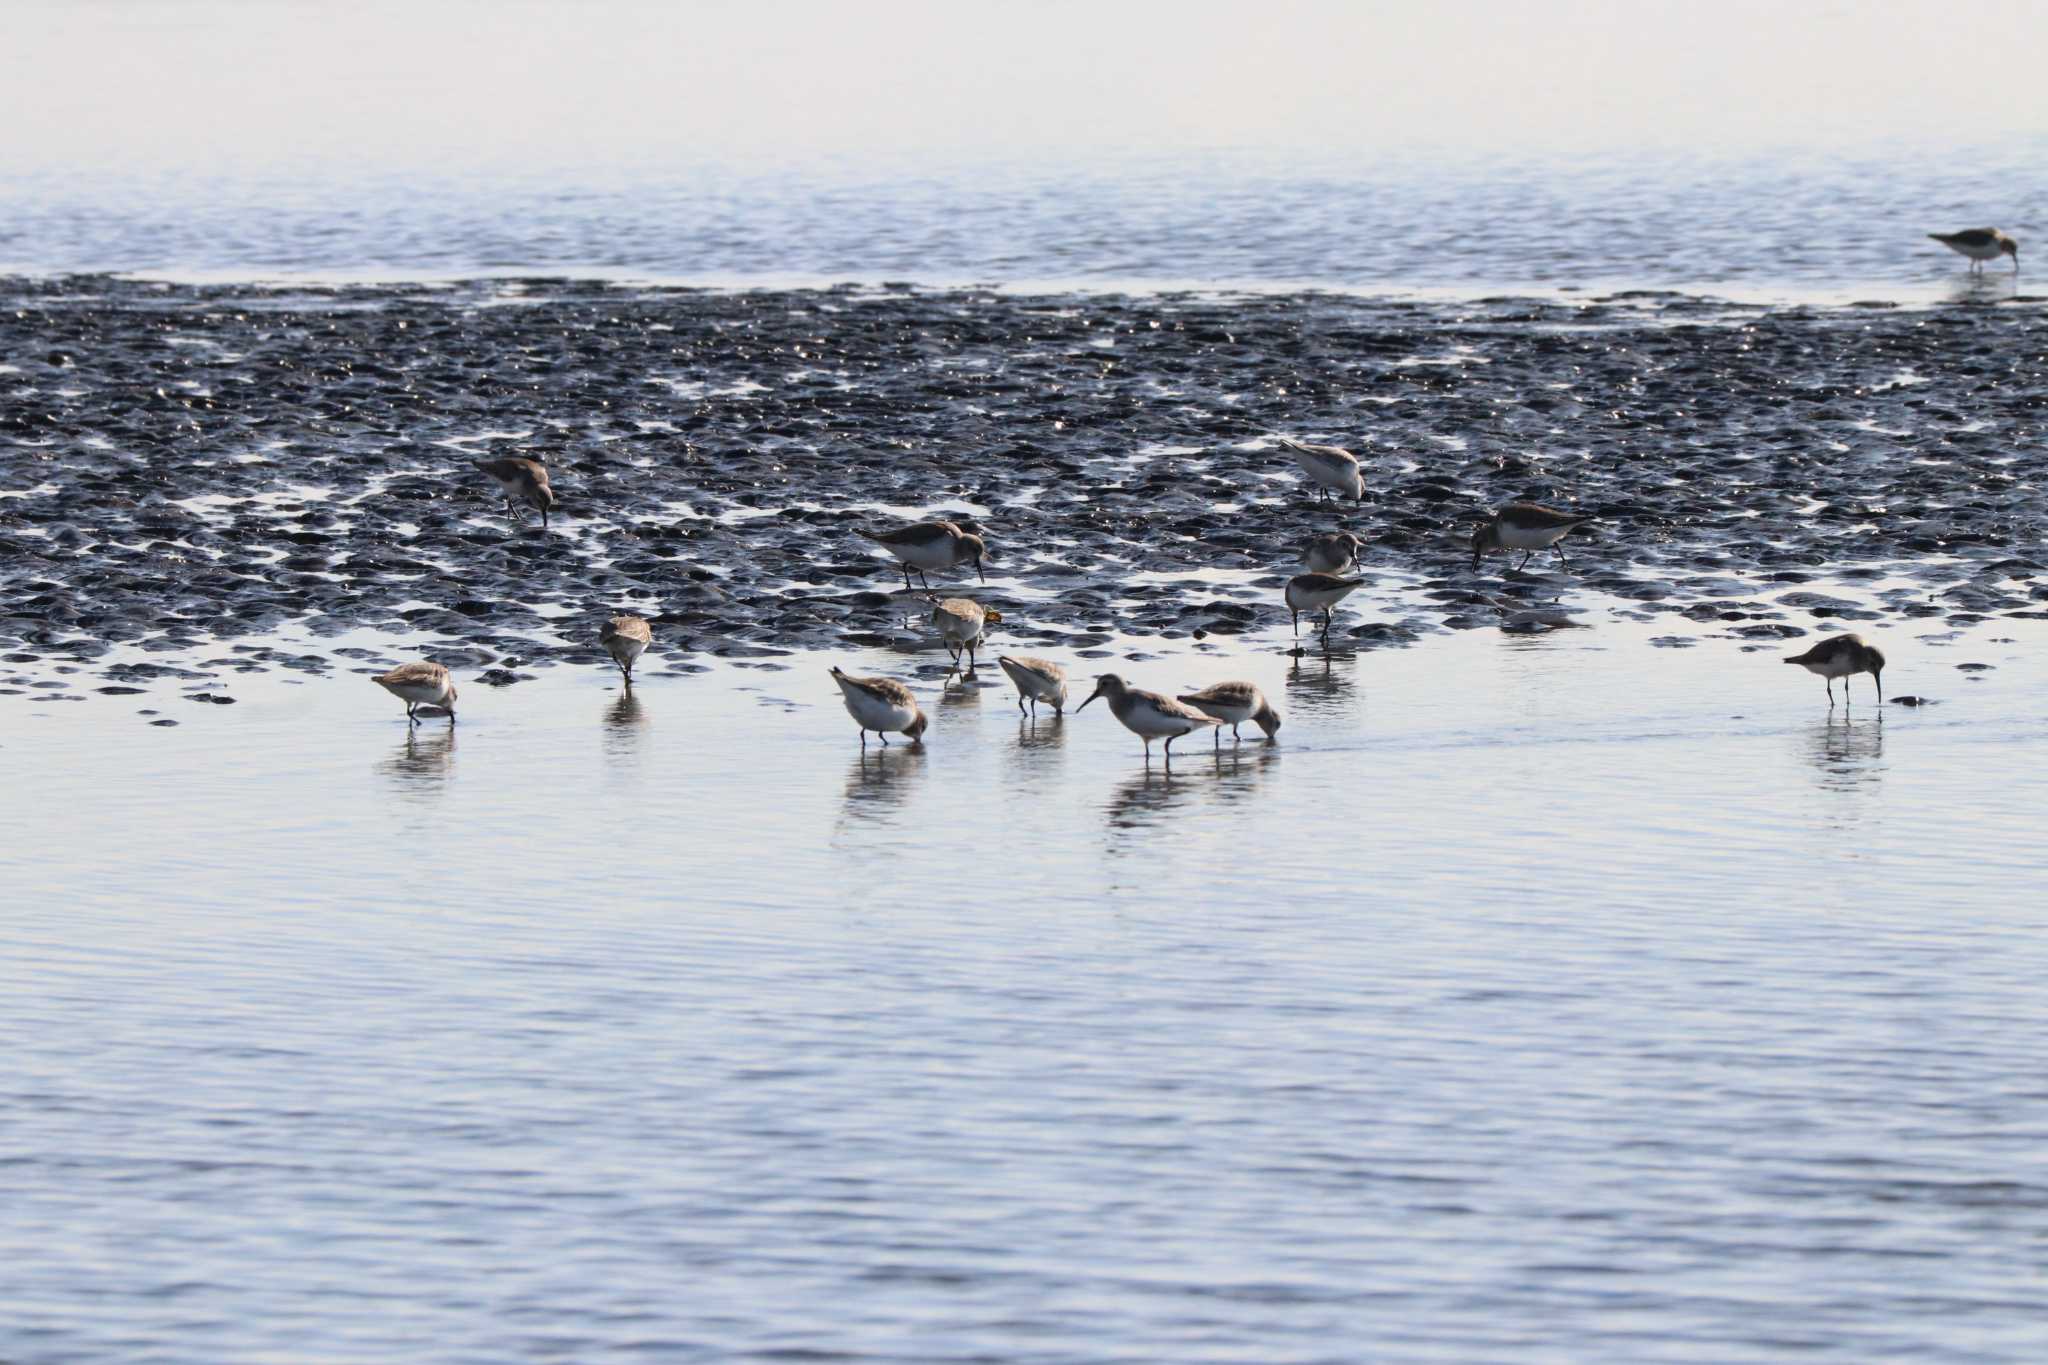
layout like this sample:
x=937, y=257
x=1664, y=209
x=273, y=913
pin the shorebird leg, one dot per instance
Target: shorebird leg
x=1829, y=683
x=921, y=578
x=884, y=735
x=1169, y=747
x=1297, y=622
x=1219, y=739
x=1558, y=545
x=409, y=707
x=1233, y=732
x=1525, y=560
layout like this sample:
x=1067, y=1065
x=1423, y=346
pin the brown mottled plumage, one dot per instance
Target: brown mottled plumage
x=1232, y=704
x=522, y=481
x=417, y=685
x=1842, y=656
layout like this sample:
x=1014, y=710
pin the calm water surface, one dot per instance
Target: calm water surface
x=1535, y=997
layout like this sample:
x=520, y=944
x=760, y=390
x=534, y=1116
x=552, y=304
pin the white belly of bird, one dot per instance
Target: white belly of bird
x=1033, y=684
x=1831, y=668
x=1314, y=599
x=1143, y=718
x=625, y=649
x=937, y=554
x=1327, y=561
x=1531, y=537
x=875, y=714
x=1334, y=474
x=419, y=694
x=1225, y=712
x=1987, y=252
x=958, y=633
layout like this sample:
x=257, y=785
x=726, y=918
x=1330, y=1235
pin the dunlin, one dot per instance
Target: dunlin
x=1148, y=715
x=522, y=481
x=1038, y=679
x=1333, y=553
x=1526, y=527
x=1980, y=245
x=1234, y=703
x=960, y=621
x=1843, y=656
x=1318, y=592
x=624, y=638
x=417, y=685
x=931, y=545
x=1332, y=468
x=881, y=705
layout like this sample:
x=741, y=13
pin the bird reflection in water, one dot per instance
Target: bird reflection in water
x=1324, y=683
x=425, y=758
x=1157, y=791
x=1847, y=754
x=880, y=780
x=625, y=722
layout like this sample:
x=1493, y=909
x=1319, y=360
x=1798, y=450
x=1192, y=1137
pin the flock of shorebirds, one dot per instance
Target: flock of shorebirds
x=887, y=706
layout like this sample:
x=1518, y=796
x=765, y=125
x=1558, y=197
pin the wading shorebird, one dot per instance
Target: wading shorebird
x=1843, y=656
x=1331, y=468
x=1234, y=703
x=1038, y=679
x=417, y=685
x=1318, y=592
x=1980, y=245
x=1147, y=715
x=522, y=481
x=1333, y=553
x=1527, y=527
x=960, y=621
x=931, y=545
x=624, y=638
x=881, y=705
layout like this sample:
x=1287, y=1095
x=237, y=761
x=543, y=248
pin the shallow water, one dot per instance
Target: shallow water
x=1533, y=997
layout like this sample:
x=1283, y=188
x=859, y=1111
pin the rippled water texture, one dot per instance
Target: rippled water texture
x=1570, y=981
x=1820, y=228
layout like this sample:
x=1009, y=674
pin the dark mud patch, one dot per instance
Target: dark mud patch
x=185, y=466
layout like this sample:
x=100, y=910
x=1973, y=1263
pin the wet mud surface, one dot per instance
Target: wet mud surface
x=192, y=476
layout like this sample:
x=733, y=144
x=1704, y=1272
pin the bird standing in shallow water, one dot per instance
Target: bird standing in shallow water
x=1318, y=592
x=624, y=637
x=1147, y=715
x=522, y=481
x=1843, y=656
x=881, y=705
x=931, y=545
x=1333, y=469
x=1234, y=703
x=1980, y=245
x=1038, y=679
x=960, y=621
x=1527, y=527
x=417, y=685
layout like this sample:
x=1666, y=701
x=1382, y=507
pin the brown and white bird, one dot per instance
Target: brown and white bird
x=1148, y=715
x=960, y=621
x=1234, y=703
x=881, y=705
x=1038, y=680
x=1527, y=527
x=931, y=545
x=1318, y=592
x=1843, y=656
x=625, y=638
x=1332, y=469
x=521, y=481
x=417, y=685
x=1333, y=553
x=1980, y=245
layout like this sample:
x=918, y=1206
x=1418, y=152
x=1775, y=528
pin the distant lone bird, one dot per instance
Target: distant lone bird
x=624, y=638
x=522, y=481
x=881, y=705
x=417, y=685
x=1234, y=703
x=1843, y=656
x=1147, y=715
x=960, y=621
x=1980, y=245
x=1332, y=468
x=1038, y=679
x=1526, y=527
x=931, y=545
x=1318, y=592
x=1333, y=553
